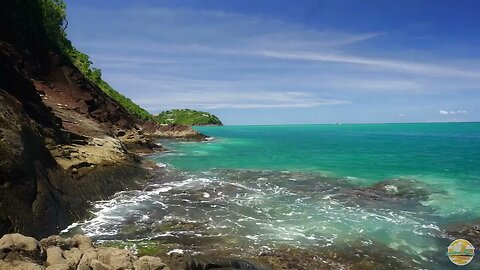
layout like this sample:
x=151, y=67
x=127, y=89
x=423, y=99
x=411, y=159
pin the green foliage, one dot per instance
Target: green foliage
x=187, y=117
x=52, y=15
x=54, y=21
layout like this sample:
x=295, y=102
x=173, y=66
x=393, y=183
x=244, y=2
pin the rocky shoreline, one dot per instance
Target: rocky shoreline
x=64, y=143
x=75, y=253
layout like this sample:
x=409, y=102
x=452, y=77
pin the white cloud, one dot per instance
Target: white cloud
x=174, y=58
x=403, y=66
x=237, y=100
x=444, y=112
x=199, y=29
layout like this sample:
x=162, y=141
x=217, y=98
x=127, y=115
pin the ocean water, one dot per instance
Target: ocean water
x=387, y=190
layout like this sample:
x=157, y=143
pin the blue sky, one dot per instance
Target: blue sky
x=284, y=62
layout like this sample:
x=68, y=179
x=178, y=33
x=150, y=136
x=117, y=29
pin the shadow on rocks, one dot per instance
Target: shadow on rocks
x=204, y=263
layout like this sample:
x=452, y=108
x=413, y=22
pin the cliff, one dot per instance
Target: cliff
x=63, y=141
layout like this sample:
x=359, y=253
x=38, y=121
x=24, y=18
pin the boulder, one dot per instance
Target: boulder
x=86, y=261
x=19, y=265
x=61, y=266
x=118, y=259
x=19, y=242
x=73, y=257
x=25, y=246
x=76, y=253
x=54, y=240
x=97, y=265
x=150, y=263
x=55, y=256
x=82, y=242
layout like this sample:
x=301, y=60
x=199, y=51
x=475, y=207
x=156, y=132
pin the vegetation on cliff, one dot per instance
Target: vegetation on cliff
x=187, y=117
x=49, y=16
x=53, y=18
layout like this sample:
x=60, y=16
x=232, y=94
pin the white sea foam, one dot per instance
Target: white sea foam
x=391, y=189
x=71, y=226
x=175, y=251
x=263, y=208
x=431, y=226
x=161, y=165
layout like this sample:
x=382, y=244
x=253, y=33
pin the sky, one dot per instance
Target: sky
x=289, y=62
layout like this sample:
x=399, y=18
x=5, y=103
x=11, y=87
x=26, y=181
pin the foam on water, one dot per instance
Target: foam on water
x=261, y=208
x=353, y=187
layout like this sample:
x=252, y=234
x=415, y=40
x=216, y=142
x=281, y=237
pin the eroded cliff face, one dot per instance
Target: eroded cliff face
x=63, y=142
x=29, y=173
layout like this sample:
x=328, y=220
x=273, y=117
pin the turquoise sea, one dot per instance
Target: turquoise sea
x=387, y=190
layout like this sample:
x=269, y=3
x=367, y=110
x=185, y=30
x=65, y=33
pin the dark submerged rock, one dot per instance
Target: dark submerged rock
x=396, y=193
x=469, y=230
x=206, y=263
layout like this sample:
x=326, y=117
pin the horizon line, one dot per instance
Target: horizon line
x=339, y=124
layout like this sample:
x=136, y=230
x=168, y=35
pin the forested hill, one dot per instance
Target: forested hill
x=51, y=16
x=187, y=117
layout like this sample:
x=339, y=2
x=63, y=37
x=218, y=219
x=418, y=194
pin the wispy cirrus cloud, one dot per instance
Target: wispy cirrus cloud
x=160, y=93
x=178, y=57
x=402, y=66
x=444, y=112
x=238, y=100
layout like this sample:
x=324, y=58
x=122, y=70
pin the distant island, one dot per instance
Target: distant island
x=187, y=117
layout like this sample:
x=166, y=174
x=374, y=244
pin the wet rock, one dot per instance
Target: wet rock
x=394, y=193
x=178, y=225
x=294, y=259
x=467, y=230
x=353, y=255
x=403, y=188
x=204, y=263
